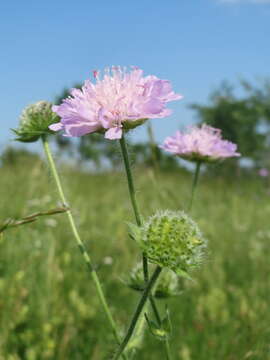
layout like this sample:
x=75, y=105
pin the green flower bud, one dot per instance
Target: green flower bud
x=163, y=330
x=167, y=286
x=35, y=121
x=135, y=280
x=171, y=239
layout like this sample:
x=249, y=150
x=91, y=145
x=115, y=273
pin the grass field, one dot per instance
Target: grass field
x=48, y=305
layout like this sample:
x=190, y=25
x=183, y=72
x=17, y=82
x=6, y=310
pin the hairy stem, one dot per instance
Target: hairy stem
x=79, y=241
x=138, y=311
x=194, y=184
x=130, y=181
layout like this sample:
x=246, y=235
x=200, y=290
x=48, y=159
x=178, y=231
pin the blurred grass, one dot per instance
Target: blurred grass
x=48, y=306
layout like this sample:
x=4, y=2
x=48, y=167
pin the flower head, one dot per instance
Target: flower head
x=34, y=121
x=200, y=144
x=119, y=101
x=171, y=239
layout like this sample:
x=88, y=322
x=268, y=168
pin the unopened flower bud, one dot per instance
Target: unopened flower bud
x=35, y=121
x=163, y=330
x=171, y=239
x=167, y=286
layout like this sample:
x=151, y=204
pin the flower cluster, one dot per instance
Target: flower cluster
x=200, y=144
x=171, y=239
x=35, y=121
x=119, y=101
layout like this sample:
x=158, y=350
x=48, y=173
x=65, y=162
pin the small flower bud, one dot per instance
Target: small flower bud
x=163, y=330
x=171, y=239
x=34, y=121
x=167, y=286
x=135, y=280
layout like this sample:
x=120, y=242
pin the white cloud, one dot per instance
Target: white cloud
x=256, y=2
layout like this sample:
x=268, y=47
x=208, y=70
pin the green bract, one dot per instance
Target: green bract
x=35, y=121
x=171, y=239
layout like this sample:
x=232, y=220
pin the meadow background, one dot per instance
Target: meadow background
x=49, y=309
x=216, y=54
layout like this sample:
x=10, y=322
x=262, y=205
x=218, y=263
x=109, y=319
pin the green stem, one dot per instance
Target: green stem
x=132, y=194
x=138, y=311
x=194, y=183
x=130, y=181
x=155, y=309
x=133, y=199
x=167, y=343
x=145, y=268
x=168, y=350
x=79, y=242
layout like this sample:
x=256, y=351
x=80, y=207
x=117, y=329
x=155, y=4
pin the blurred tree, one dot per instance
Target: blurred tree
x=12, y=156
x=259, y=97
x=143, y=155
x=96, y=149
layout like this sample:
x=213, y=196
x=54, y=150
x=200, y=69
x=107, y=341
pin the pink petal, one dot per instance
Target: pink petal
x=113, y=133
x=56, y=127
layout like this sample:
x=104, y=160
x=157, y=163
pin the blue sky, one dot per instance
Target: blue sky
x=194, y=43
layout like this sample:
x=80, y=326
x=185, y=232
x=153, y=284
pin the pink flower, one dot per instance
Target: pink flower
x=200, y=144
x=263, y=172
x=119, y=101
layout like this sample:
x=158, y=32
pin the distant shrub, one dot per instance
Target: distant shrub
x=12, y=156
